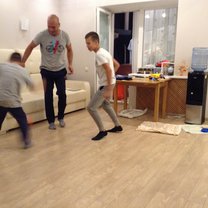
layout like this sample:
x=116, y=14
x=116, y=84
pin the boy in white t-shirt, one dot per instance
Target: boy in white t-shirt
x=105, y=67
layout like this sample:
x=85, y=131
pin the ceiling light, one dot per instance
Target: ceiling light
x=147, y=16
x=164, y=15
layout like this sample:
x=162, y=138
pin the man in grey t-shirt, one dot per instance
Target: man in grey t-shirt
x=53, y=45
x=12, y=77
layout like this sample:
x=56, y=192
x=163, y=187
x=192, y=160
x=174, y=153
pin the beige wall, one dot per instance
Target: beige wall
x=192, y=30
x=78, y=19
x=12, y=11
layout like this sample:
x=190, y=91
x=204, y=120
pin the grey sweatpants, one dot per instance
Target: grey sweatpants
x=99, y=101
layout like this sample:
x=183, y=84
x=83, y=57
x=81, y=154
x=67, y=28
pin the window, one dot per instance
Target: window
x=159, y=35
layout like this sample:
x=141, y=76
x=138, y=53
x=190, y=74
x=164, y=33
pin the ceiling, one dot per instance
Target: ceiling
x=152, y=4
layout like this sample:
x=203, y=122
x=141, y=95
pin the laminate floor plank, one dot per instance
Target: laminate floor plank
x=131, y=169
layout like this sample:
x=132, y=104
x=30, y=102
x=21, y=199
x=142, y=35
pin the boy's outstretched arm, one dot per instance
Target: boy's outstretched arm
x=116, y=65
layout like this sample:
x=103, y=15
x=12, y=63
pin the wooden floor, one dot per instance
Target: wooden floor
x=65, y=169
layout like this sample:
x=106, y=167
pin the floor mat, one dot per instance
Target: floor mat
x=159, y=127
x=132, y=113
x=195, y=129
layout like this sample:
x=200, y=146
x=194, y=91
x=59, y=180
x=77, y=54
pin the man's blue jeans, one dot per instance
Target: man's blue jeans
x=49, y=79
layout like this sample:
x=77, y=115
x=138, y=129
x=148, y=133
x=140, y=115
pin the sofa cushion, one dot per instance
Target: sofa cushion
x=33, y=62
x=32, y=102
x=37, y=80
x=75, y=96
x=5, y=54
x=72, y=96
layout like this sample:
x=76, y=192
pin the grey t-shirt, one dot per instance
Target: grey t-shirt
x=53, y=50
x=12, y=78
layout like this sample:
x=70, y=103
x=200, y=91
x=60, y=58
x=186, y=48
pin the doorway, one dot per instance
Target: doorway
x=123, y=27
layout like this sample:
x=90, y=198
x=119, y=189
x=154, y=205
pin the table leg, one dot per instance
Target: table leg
x=125, y=96
x=156, y=104
x=164, y=102
x=115, y=98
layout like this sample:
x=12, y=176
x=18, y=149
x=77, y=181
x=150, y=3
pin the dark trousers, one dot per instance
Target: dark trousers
x=20, y=117
x=49, y=78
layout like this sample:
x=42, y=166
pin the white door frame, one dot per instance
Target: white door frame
x=110, y=35
x=137, y=37
x=137, y=34
x=110, y=26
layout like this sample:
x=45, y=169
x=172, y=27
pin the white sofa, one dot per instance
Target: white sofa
x=78, y=92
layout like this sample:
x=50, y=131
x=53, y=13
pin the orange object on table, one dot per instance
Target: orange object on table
x=120, y=92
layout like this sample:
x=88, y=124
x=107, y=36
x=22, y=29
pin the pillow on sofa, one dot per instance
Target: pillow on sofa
x=37, y=79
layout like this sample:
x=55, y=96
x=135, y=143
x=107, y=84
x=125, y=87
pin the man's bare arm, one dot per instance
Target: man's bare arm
x=28, y=51
x=70, y=58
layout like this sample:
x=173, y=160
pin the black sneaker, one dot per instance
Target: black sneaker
x=100, y=135
x=115, y=129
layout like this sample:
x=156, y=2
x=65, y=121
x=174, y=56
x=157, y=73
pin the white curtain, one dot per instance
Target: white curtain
x=159, y=35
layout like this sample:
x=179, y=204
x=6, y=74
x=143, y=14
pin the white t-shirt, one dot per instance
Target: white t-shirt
x=103, y=57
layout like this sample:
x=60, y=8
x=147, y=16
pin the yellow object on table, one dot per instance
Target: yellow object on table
x=156, y=76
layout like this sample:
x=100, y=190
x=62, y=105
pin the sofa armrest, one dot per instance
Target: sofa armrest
x=79, y=85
